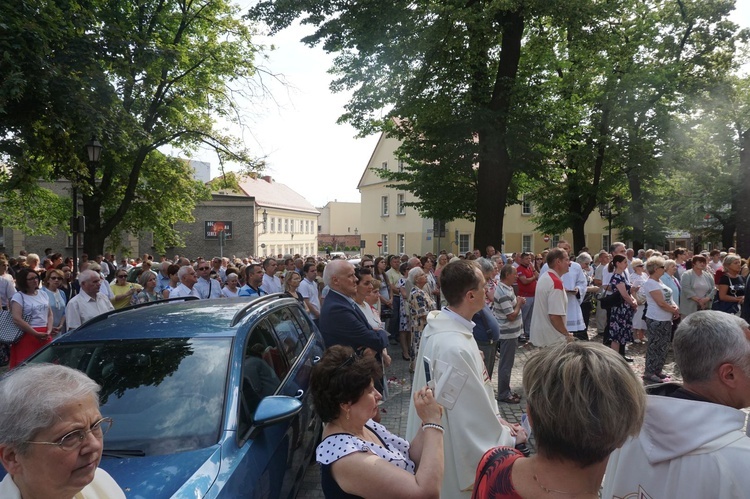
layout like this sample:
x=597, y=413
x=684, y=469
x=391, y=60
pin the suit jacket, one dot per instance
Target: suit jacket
x=342, y=323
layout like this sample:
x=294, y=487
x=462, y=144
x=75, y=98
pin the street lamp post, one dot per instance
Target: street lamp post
x=263, y=222
x=78, y=224
x=609, y=210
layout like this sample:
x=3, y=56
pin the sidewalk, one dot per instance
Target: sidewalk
x=396, y=408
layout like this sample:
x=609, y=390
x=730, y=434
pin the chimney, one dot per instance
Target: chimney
x=268, y=179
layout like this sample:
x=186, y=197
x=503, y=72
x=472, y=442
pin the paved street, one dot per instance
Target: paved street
x=396, y=408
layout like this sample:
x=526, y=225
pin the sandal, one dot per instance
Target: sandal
x=513, y=399
x=653, y=378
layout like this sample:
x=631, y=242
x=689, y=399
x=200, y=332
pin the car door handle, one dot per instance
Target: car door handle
x=299, y=394
x=316, y=359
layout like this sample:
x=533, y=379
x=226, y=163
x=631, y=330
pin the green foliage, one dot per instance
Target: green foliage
x=141, y=77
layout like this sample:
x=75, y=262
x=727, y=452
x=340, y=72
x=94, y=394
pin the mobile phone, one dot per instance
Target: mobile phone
x=427, y=369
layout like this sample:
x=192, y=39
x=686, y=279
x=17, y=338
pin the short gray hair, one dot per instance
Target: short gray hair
x=730, y=259
x=31, y=397
x=87, y=275
x=414, y=273
x=708, y=338
x=332, y=268
x=485, y=265
x=583, y=258
x=183, y=271
x=507, y=270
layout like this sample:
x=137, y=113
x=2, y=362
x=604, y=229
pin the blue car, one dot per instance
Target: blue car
x=209, y=398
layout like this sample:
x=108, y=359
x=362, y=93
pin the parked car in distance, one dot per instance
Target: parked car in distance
x=209, y=398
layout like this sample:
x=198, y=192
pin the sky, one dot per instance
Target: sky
x=294, y=128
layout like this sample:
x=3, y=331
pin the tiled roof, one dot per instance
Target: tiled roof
x=270, y=194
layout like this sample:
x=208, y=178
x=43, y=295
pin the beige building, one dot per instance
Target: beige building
x=286, y=223
x=401, y=229
x=338, y=225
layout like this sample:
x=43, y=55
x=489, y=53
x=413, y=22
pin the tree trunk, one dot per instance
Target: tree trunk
x=495, y=165
x=94, y=237
x=743, y=199
x=636, y=209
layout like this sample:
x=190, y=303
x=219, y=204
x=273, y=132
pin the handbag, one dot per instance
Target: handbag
x=736, y=290
x=609, y=300
x=10, y=333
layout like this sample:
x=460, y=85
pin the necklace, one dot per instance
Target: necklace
x=549, y=490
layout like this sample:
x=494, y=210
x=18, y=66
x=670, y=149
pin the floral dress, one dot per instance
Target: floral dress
x=621, y=318
x=420, y=304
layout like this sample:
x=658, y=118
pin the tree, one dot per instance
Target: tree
x=447, y=75
x=142, y=77
x=617, y=77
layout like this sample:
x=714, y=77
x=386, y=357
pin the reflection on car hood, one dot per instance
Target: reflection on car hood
x=154, y=477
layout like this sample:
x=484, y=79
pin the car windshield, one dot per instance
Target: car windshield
x=165, y=395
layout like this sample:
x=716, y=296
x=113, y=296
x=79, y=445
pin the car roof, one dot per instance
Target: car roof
x=185, y=319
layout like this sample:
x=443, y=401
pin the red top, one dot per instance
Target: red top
x=493, y=479
x=526, y=290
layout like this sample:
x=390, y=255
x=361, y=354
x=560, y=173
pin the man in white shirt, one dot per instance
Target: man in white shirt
x=188, y=278
x=205, y=286
x=89, y=302
x=548, y=320
x=271, y=283
x=308, y=289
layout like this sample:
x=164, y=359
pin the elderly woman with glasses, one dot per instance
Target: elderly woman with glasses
x=359, y=457
x=51, y=436
x=53, y=279
x=697, y=287
x=124, y=290
x=32, y=314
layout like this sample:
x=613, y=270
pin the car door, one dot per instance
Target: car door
x=300, y=355
x=278, y=357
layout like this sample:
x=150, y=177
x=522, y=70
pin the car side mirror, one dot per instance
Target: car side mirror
x=275, y=409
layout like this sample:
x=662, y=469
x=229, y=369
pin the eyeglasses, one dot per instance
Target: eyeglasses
x=55, y=278
x=352, y=358
x=203, y=268
x=368, y=266
x=74, y=439
x=123, y=276
x=661, y=267
x=32, y=278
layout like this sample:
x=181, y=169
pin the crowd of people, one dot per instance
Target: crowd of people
x=455, y=318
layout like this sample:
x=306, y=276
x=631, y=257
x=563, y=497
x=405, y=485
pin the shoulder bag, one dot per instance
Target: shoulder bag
x=609, y=300
x=10, y=333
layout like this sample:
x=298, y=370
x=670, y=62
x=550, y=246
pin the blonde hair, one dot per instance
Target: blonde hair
x=584, y=401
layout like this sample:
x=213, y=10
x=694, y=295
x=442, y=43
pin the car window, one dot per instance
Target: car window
x=165, y=395
x=263, y=368
x=303, y=321
x=289, y=333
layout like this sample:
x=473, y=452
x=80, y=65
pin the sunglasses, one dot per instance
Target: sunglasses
x=203, y=268
x=55, y=278
x=123, y=276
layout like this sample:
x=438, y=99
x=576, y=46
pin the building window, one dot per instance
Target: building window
x=605, y=242
x=273, y=224
x=286, y=226
x=555, y=240
x=526, y=243
x=384, y=165
x=400, y=204
x=525, y=206
x=307, y=226
x=384, y=238
x=400, y=165
x=401, y=244
x=463, y=243
x=384, y=206
x=312, y=228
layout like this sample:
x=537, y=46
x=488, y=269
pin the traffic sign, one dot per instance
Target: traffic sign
x=546, y=238
x=380, y=244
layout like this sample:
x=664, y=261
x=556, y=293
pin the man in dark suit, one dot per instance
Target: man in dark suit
x=341, y=321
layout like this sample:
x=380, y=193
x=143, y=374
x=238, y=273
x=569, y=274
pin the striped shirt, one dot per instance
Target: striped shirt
x=503, y=304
